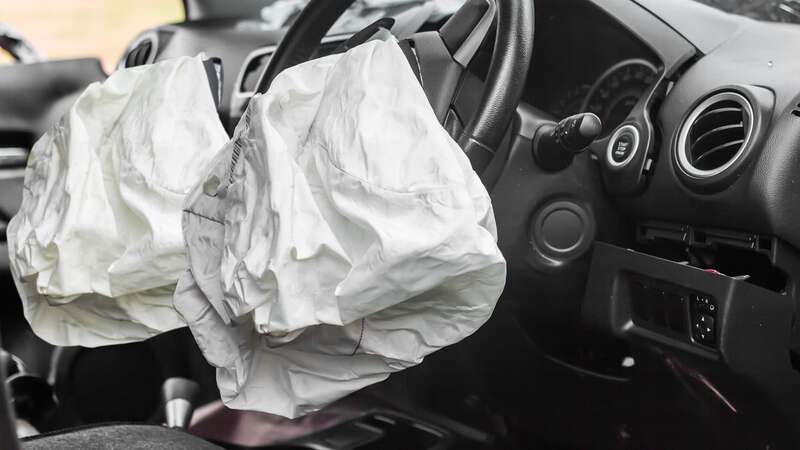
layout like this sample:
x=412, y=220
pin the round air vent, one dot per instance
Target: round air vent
x=714, y=136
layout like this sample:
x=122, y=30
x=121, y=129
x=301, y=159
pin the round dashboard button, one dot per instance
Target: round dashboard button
x=560, y=231
x=623, y=146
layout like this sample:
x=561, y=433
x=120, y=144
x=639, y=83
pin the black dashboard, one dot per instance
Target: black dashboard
x=584, y=61
x=700, y=203
x=657, y=275
x=675, y=232
x=231, y=40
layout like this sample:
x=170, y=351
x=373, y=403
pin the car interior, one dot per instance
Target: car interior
x=653, y=257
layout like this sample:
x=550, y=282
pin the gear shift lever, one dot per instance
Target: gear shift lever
x=179, y=397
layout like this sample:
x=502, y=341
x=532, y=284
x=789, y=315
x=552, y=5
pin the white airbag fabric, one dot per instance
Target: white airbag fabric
x=96, y=247
x=340, y=236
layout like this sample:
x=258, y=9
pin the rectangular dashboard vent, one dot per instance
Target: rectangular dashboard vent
x=796, y=111
x=257, y=61
x=252, y=73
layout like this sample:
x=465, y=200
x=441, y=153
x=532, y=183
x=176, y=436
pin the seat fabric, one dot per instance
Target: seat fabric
x=118, y=437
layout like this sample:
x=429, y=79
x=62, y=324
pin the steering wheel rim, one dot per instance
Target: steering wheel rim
x=442, y=58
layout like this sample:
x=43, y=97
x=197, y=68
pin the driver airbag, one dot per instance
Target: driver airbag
x=342, y=235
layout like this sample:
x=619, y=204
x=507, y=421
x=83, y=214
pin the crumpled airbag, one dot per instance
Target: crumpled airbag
x=342, y=235
x=96, y=247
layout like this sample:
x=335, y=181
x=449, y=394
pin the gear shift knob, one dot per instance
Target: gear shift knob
x=179, y=396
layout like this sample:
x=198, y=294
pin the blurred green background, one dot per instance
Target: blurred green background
x=78, y=28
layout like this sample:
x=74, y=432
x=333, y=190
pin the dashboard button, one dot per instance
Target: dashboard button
x=704, y=329
x=623, y=145
x=704, y=319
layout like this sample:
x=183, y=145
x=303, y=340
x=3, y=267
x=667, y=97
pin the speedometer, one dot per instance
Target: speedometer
x=616, y=91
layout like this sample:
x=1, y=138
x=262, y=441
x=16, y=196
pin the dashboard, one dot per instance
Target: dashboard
x=245, y=46
x=571, y=72
x=685, y=86
x=584, y=61
x=684, y=249
x=659, y=271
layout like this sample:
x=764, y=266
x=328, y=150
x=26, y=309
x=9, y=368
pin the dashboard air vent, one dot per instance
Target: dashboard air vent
x=142, y=51
x=715, y=134
x=252, y=73
x=139, y=55
x=796, y=111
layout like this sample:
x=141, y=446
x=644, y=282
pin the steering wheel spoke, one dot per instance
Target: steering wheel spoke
x=466, y=30
x=439, y=59
x=461, y=36
x=435, y=68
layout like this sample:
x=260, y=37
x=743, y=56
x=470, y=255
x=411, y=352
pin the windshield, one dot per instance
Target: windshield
x=767, y=10
x=85, y=28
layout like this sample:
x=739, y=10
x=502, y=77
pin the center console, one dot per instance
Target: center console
x=729, y=337
x=688, y=309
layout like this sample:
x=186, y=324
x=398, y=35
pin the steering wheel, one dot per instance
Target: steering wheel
x=440, y=59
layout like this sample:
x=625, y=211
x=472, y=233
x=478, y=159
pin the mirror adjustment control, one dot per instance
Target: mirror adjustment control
x=704, y=319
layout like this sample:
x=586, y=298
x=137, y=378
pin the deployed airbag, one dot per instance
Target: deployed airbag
x=96, y=247
x=342, y=235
